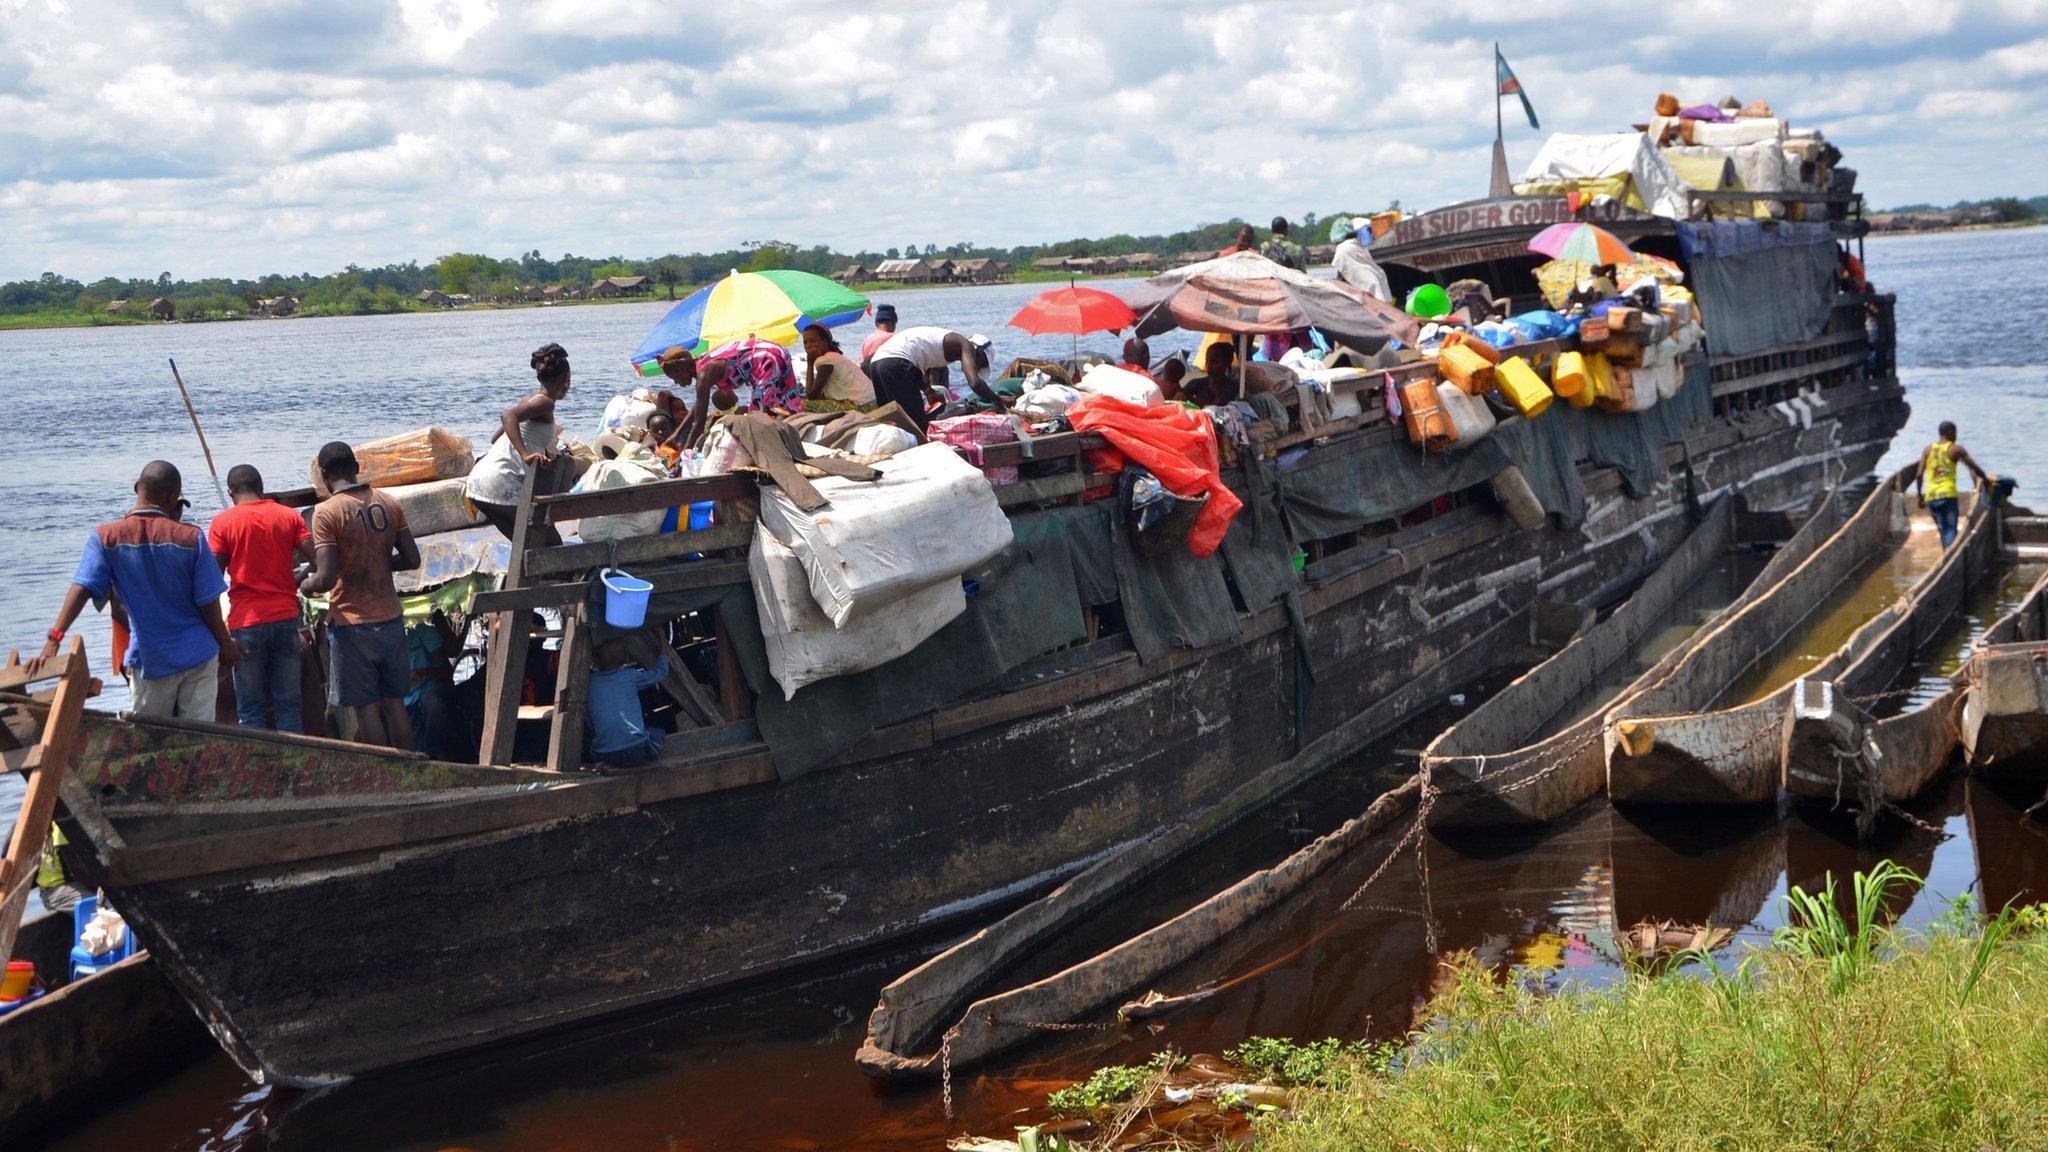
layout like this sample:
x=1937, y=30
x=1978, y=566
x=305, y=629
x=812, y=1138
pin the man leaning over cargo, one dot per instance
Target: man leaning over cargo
x=166, y=578
x=1936, y=479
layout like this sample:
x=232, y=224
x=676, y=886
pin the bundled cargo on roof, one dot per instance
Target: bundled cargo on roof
x=1624, y=167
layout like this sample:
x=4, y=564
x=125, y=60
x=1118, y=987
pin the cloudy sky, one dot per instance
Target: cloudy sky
x=220, y=137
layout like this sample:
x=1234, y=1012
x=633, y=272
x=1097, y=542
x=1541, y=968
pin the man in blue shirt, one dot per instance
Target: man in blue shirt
x=626, y=666
x=166, y=578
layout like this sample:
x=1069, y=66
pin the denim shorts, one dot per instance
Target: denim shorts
x=366, y=663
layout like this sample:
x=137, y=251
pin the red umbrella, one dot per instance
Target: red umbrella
x=1074, y=310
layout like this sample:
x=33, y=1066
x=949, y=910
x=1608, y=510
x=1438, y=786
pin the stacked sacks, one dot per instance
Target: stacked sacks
x=873, y=573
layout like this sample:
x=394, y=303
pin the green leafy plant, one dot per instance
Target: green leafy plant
x=1115, y=1084
x=1324, y=1063
x=1817, y=930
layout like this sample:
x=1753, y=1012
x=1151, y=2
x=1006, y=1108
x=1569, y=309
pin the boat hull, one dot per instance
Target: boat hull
x=329, y=961
x=2003, y=722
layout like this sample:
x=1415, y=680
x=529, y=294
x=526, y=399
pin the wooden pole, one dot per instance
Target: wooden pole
x=204, y=450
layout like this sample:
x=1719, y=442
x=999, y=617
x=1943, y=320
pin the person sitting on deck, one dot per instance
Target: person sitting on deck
x=1137, y=356
x=1169, y=375
x=1355, y=264
x=833, y=383
x=1935, y=479
x=1218, y=382
x=625, y=666
x=899, y=366
x=1281, y=248
x=164, y=575
x=258, y=542
x=1599, y=286
x=526, y=439
x=1247, y=241
x=359, y=539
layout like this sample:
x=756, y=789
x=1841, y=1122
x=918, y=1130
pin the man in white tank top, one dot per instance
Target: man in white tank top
x=898, y=367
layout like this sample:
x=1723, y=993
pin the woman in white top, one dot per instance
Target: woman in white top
x=526, y=439
x=832, y=382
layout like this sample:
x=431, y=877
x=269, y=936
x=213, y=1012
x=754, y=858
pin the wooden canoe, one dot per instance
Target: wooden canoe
x=1671, y=743
x=1833, y=752
x=86, y=1042
x=2003, y=720
x=1490, y=772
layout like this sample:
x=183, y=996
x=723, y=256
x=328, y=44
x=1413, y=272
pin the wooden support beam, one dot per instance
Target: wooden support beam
x=572, y=692
x=693, y=575
x=505, y=663
x=644, y=497
x=638, y=550
x=46, y=763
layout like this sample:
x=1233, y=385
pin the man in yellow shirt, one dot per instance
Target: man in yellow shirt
x=1936, y=480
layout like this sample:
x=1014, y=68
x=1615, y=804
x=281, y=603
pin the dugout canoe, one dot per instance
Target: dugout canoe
x=1672, y=742
x=1487, y=769
x=86, y=1042
x=1833, y=752
x=2003, y=721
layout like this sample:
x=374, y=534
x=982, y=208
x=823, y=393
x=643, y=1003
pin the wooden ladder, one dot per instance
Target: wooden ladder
x=45, y=762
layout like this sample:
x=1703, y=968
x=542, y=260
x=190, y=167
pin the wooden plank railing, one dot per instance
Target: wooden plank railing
x=45, y=765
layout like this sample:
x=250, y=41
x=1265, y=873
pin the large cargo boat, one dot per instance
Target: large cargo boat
x=332, y=909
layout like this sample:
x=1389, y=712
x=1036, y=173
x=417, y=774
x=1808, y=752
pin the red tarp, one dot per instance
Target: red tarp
x=1175, y=443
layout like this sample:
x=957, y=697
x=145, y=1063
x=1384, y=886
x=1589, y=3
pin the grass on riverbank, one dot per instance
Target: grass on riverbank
x=1935, y=1040
x=15, y=321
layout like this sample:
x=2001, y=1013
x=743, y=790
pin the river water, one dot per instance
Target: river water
x=773, y=1069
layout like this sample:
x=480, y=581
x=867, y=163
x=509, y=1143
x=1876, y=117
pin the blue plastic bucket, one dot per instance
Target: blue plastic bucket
x=625, y=599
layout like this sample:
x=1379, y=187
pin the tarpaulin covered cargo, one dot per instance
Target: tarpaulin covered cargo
x=931, y=516
x=1565, y=161
x=1760, y=285
x=803, y=646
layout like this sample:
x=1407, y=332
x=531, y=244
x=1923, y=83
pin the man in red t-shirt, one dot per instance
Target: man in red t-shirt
x=257, y=542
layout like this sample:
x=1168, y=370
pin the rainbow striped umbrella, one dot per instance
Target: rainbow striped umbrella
x=1581, y=241
x=773, y=305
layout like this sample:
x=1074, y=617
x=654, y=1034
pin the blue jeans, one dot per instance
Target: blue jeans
x=267, y=675
x=1944, y=513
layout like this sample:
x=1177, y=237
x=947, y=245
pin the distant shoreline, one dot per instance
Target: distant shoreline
x=29, y=321
x=1939, y=228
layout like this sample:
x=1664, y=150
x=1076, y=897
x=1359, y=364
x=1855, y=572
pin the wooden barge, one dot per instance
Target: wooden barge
x=332, y=909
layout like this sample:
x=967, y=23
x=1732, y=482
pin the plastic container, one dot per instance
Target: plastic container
x=1465, y=368
x=1469, y=340
x=1428, y=301
x=1428, y=427
x=625, y=599
x=1512, y=489
x=1523, y=387
x=1470, y=417
x=1569, y=379
x=20, y=977
x=84, y=963
x=1618, y=392
x=1600, y=374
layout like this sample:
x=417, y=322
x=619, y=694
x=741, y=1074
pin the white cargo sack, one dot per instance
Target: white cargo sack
x=435, y=506
x=804, y=646
x=627, y=415
x=1047, y=401
x=931, y=516
x=619, y=472
x=881, y=440
x=1122, y=383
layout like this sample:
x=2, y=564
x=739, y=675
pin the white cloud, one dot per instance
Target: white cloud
x=441, y=28
x=217, y=137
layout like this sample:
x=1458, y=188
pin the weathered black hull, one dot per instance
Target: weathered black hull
x=341, y=964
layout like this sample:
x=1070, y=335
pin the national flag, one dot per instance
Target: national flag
x=1510, y=86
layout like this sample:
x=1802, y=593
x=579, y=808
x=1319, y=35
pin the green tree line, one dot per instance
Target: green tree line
x=357, y=290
